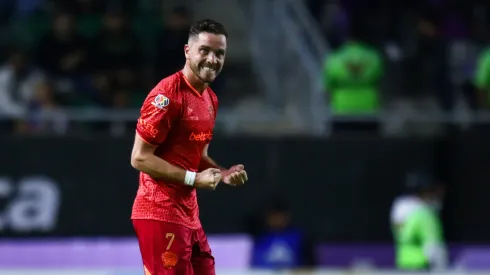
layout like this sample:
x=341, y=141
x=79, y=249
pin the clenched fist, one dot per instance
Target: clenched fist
x=236, y=175
x=208, y=179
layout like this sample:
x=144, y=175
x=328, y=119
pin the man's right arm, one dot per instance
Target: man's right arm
x=158, y=113
x=143, y=159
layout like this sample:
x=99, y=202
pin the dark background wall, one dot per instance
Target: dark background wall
x=339, y=189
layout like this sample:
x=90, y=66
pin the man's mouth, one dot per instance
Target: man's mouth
x=208, y=69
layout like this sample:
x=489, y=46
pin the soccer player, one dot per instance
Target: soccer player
x=171, y=152
x=417, y=227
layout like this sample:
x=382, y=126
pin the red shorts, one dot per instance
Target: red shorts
x=168, y=248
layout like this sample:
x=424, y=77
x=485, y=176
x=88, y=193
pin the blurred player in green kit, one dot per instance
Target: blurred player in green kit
x=417, y=226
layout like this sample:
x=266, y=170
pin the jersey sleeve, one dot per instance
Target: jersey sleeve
x=398, y=212
x=158, y=113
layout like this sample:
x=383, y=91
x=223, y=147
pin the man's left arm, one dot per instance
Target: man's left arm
x=208, y=162
x=235, y=175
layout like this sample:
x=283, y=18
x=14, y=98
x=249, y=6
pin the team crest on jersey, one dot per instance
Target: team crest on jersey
x=169, y=259
x=211, y=110
x=160, y=101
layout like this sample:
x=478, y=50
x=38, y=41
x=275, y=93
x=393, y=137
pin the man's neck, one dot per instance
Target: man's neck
x=193, y=80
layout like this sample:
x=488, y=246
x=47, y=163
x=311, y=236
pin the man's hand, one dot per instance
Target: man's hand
x=208, y=179
x=236, y=175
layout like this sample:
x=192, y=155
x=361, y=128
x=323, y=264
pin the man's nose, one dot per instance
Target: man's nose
x=211, y=58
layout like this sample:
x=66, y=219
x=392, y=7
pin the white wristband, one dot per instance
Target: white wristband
x=190, y=177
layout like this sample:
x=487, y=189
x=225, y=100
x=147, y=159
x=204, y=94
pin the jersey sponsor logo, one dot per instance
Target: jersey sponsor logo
x=160, y=101
x=202, y=136
x=147, y=128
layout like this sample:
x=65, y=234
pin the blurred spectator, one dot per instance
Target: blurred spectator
x=428, y=65
x=27, y=7
x=170, y=43
x=482, y=79
x=88, y=14
x=63, y=52
x=44, y=115
x=116, y=46
x=279, y=245
x=96, y=91
x=82, y=7
x=18, y=79
x=351, y=77
x=127, y=89
x=118, y=60
x=335, y=23
x=101, y=89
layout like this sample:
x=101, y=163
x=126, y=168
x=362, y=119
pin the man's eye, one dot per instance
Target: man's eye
x=204, y=51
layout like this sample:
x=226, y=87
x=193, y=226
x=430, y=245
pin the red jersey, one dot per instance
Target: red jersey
x=179, y=121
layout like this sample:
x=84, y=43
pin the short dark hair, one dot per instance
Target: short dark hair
x=209, y=26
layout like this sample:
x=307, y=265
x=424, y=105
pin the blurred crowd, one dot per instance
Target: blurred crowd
x=415, y=57
x=432, y=54
x=83, y=53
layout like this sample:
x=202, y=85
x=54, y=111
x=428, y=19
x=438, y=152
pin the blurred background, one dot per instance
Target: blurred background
x=330, y=104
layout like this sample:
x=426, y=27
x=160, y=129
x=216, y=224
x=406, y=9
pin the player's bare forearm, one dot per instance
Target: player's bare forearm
x=208, y=162
x=144, y=160
x=158, y=168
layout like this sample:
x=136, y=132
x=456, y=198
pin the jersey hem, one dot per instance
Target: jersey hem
x=172, y=222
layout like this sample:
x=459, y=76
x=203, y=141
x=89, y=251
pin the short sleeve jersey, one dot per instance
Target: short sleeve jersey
x=179, y=122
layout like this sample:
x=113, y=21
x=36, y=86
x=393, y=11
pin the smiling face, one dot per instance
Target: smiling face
x=206, y=55
x=206, y=50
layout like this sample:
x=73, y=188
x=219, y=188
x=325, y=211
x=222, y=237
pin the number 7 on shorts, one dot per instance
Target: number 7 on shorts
x=170, y=236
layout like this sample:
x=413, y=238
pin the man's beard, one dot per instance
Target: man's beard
x=197, y=68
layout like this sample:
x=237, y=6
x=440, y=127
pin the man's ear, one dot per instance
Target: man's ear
x=187, y=49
